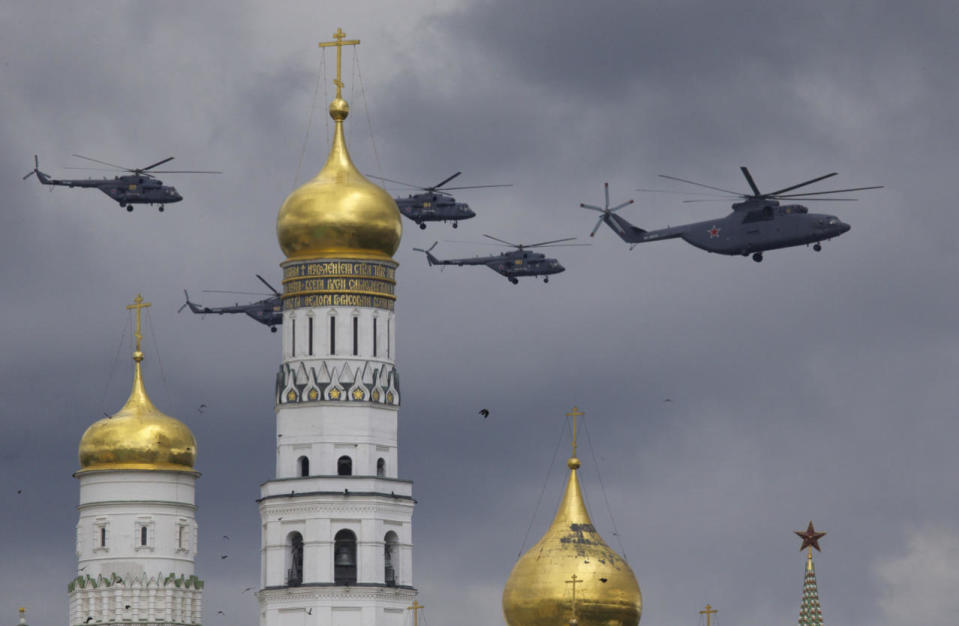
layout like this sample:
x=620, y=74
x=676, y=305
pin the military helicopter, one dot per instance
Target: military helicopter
x=434, y=205
x=137, y=187
x=268, y=311
x=757, y=224
x=512, y=264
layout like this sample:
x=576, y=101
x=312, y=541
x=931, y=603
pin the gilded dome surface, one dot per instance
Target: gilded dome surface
x=539, y=591
x=138, y=436
x=339, y=213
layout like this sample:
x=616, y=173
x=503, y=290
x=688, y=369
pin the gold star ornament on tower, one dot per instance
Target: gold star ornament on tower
x=339, y=213
x=810, y=538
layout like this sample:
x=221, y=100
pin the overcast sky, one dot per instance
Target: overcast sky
x=810, y=386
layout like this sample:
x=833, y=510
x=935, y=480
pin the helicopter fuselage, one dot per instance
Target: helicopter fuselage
x=434, y=207
x=512, y=265
x=125, y=190
x=747, y=230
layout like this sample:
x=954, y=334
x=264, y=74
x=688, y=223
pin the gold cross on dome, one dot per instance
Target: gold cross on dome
x=574, y=414
x=339, y=43
x=708, y=612
x=138, y=304
x=416, y=608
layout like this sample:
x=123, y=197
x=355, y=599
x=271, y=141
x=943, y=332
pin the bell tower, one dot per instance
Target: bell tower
x=337, y=518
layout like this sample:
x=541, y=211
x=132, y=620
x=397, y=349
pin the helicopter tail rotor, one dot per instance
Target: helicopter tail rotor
x=605, y=210
x=36, y=168
x=430, y=259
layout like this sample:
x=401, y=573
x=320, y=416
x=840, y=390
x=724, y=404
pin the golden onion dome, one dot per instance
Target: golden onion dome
x=138, y=436
x=572, y=555
x=339, y=213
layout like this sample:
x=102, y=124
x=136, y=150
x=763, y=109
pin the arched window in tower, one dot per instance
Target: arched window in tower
x=356, y=335
x=344, y=466
x=390, y=558
x=388, y=337
x=381, y=467
x=309, y=338
x=375, y=320
x=344, y=558
x=304, y=466
x=294, y=570
x=103, y=536
x=292, y=336
x=332, y=335
x=143, y=535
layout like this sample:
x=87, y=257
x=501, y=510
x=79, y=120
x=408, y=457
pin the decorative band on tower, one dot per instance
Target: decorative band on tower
x=337, y=282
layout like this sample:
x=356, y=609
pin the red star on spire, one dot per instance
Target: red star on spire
x=810, y=538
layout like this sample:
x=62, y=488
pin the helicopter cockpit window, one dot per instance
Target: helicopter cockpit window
x=763, y=215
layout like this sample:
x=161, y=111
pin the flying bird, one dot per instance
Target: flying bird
x=220, y=613
x=202, y=406
x=227, y=537
x=19, y=491
x=223, y=556
x=484, y=413
x=247, y=589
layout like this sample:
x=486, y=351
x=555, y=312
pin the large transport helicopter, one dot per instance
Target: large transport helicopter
x=137, y=187
x=757, y=224
x=512, y=264
x=434, y=205
x=268, y=311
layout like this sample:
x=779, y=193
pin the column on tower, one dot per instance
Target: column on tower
x=336, y=518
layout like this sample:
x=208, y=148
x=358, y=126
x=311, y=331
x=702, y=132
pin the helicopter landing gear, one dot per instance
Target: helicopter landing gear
x=817, y=247
x=129, y=208
x=545, y=279
x=422, y=226
x=161, y=208
x=514, y=280
x=758, y=257
x=455, y=224
x=272, y=329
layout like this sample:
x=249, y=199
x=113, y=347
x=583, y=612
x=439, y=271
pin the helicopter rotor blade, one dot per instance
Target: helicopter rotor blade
x=150, y=167
x=430, y=249
x=503, y=241
x=471, y=187
x=683, y=180
x=238, y=293
x=186, y=172
x=29, y=174
x=119, y=167
x=592, y=207
x=749, y=179
x=808, y=182
x=398, y=182
x=263, y=280
x=546, y=243
x=599, y=223
x=445, y=180
x=619, y=206
x=820, y=193
x=685, y=193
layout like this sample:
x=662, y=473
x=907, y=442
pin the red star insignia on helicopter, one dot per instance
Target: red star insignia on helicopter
x=713, y=233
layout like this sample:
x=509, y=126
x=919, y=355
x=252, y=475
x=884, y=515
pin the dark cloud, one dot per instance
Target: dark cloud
x=811, y=386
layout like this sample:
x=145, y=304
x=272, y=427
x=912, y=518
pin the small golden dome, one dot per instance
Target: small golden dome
x=539, y=591
x=339, y=213
x=138, y=436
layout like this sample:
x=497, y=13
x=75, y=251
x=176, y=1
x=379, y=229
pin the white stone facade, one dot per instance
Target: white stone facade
x=337, y=496
x=136, y=545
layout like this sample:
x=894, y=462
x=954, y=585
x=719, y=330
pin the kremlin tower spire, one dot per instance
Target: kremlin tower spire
x=810, y=613
x=571, y=576
x=337, y=520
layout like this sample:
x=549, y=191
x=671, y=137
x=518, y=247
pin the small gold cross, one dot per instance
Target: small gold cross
x=416, y=608
x=708, y=612
x=138, y=304
x=574, y=581
x=574, y=414
x=339, y=43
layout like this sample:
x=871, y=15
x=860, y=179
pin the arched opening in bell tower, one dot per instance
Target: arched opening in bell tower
x=390, y=558
x=380, y=467
x=294, y=559
x=344, y=466
x=344, y=558
x=304, y=466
